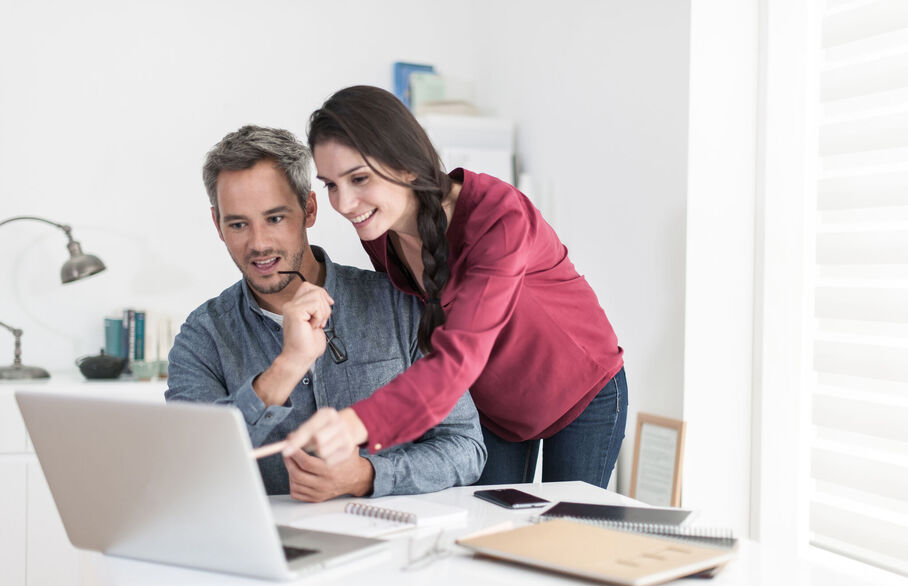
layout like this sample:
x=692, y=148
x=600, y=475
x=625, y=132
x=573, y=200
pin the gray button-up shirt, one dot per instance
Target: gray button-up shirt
x=228, y=341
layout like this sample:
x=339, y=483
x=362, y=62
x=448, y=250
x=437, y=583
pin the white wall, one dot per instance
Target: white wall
x=719, y=280
x=107, y=109
x=599, y=91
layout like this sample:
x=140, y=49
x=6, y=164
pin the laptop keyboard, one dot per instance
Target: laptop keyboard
x=292, y=553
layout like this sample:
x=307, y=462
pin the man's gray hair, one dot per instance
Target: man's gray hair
x=250, y=144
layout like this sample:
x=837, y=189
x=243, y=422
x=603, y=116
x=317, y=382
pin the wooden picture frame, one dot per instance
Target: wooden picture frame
x=658, y=451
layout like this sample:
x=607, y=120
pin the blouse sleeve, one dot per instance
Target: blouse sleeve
x=477, y=307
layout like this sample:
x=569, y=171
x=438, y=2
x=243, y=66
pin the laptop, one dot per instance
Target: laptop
x=171, y=483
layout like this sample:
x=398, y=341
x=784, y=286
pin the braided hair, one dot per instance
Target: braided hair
x=377, y=125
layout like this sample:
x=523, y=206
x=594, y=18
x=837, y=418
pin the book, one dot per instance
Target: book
x=113, y=336
x=598, y=553
x=139, y=350
x=124, y=337
x=402, y=72
x=390, y=515
x=666, y=522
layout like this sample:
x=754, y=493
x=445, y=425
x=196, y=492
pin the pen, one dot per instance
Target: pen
x=269, y=449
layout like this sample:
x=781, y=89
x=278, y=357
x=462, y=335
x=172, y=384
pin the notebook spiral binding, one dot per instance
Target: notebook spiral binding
x=380, y=513
x=719, y=536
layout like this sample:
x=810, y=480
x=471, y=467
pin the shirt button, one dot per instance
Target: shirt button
x=306, y=381
x=376, y=447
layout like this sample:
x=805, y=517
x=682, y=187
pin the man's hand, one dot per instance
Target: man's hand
x=304, y=317
x=312, y=480
x=304, y=341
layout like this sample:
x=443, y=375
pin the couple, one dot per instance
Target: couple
x=471, y=276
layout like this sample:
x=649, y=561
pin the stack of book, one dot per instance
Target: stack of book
x=125, y=337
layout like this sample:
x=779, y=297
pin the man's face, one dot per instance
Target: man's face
x=264, y=227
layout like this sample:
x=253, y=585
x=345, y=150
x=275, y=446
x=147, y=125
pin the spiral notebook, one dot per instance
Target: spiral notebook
x=384, y=516
x=665, y=522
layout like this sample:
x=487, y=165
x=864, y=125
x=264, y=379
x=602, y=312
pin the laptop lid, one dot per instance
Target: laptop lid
x=171, y=483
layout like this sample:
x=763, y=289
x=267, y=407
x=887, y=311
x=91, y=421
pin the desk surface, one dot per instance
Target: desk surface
x=755, y=565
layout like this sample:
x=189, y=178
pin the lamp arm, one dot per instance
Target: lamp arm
x=63, y=227
x=15, y=331
x=17, y=352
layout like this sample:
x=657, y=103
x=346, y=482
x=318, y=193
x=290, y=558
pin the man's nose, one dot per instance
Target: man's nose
x=260, y=239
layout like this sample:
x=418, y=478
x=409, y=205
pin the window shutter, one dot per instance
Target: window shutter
x=859, y=449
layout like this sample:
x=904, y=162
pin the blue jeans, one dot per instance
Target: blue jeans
x=584, y=450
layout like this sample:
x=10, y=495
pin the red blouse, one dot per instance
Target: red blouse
x=524, y=332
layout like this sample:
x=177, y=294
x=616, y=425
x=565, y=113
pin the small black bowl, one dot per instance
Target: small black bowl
x=101, y=366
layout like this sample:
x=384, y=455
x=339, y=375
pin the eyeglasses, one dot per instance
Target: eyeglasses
x=335, y=344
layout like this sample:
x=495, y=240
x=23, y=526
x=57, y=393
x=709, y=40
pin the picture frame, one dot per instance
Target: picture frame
x=658, y=454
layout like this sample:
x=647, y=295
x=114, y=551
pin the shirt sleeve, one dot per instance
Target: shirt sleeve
x=450, y=454
x=195, y=375
x=477, y=309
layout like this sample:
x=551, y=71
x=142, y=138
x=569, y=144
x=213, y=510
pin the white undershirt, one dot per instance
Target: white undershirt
x=279, y=319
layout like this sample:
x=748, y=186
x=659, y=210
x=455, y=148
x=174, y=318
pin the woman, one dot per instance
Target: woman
x=506, y=314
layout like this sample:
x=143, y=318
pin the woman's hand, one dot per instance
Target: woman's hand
x=331, y=435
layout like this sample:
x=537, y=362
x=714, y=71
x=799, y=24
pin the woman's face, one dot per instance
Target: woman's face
x=372, y=204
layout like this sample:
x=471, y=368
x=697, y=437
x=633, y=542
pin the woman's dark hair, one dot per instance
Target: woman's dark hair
x=376, y=124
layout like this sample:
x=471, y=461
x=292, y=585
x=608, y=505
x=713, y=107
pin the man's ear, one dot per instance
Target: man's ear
x=311, y=209
x=217, y=225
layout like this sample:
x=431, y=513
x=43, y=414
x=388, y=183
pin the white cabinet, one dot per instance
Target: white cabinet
x=34, y=549
x=13, y=505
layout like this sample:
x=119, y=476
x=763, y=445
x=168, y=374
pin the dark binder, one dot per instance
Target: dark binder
x=664, y=522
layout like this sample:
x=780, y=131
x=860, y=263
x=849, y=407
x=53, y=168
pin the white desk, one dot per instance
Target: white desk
x=32, y=535
x=755, y=565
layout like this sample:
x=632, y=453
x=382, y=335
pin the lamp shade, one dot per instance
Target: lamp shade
x=79, y=265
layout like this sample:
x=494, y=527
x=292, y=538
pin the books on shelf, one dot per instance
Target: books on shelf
x=384, y=516
x=599, y=553
x=113, y=336
x=665, y=522
x=132, y=334
x=402, y=73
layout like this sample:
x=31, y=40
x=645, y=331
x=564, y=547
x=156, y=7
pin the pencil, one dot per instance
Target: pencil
x=269, y=449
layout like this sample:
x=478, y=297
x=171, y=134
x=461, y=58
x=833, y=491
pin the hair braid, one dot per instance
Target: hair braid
x=432, y=225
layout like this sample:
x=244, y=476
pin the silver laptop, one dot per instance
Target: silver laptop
x=170, y=483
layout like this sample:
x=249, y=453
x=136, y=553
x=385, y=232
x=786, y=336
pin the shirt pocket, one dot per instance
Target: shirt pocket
x=363, y=378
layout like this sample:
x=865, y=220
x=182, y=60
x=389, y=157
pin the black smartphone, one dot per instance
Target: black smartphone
x=510, y=498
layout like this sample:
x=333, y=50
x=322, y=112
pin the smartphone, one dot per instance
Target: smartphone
x=510, y=498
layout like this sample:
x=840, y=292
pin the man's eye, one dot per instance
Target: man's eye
x=237, y=225
x=275, y=219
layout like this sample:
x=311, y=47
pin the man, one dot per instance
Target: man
x=261, y=345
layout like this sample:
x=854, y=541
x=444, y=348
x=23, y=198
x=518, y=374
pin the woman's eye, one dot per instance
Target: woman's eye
x=357, y=179
x=330, y=186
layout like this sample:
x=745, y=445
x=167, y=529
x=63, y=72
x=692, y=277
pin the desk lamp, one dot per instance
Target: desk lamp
x=78, y=266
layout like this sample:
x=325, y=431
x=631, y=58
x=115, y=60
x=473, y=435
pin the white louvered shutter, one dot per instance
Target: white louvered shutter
x=859, y=452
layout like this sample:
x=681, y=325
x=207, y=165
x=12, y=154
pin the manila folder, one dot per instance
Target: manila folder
x=601, y=554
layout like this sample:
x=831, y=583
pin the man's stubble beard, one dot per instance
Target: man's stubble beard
x=296, y=263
